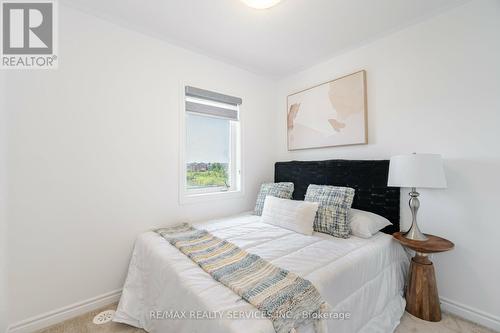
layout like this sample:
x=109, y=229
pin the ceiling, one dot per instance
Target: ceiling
x=275, y=42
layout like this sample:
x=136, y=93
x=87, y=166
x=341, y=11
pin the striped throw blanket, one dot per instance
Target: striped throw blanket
x=288, y=300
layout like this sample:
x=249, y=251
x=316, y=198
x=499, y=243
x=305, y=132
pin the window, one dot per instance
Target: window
x=212, y=142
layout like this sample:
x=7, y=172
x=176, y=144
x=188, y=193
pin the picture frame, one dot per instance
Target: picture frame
x=330, y=114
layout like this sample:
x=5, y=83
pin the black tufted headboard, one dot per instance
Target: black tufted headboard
x=368, y=178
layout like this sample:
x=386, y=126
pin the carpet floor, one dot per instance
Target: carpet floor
x=409, y=324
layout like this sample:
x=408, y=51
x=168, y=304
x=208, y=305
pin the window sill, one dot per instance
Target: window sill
x=186, y=198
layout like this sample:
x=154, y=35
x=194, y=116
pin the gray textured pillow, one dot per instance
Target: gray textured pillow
x=278, y=190
x=334, y=204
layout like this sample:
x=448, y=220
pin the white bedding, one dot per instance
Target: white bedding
x=364, y=277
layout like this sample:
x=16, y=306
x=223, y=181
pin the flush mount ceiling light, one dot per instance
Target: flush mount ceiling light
x=261, y=4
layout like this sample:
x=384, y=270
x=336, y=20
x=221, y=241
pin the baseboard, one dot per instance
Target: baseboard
x=53, y=317
x=469, y=313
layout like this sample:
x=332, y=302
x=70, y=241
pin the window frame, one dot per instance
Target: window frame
x=235, y=159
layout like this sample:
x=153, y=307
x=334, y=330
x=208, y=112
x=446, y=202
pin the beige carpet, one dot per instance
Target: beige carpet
x=409, y=324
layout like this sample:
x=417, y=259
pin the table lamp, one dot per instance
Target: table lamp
x=412, y=171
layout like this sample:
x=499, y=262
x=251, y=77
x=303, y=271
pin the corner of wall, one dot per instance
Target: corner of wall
x=3, y=222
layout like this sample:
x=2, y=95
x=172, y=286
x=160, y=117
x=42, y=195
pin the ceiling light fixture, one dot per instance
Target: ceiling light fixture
x=261, y=4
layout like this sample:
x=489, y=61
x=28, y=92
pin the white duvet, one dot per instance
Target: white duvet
x=360, y=278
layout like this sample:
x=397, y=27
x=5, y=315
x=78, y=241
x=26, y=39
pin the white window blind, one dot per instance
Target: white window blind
x=213, y=104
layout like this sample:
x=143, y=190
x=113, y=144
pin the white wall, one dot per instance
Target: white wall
x=435, y=87
x=93, y=157
x=3, y=222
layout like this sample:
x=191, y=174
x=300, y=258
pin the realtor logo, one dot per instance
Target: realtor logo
x=28, y=35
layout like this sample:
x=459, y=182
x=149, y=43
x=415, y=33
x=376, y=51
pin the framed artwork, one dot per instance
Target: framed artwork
x=330, y=114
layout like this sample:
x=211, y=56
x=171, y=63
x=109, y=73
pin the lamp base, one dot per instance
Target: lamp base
x=414, y=232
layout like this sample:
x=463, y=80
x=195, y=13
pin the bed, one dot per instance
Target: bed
x=361, y=279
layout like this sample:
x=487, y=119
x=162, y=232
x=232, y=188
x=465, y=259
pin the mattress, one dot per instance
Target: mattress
x=362, y=280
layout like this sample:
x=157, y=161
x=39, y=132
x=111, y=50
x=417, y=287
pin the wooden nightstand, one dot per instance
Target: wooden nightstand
x=422, y=298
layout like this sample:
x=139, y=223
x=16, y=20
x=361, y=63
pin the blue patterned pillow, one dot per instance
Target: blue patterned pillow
x=278, y=190
x=334, y=204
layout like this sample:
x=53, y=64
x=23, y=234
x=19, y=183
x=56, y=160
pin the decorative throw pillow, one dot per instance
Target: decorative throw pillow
x=334, y=204
x=293, y=215
x=278, y=190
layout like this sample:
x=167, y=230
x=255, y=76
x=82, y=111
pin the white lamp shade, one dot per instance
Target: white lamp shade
x=417, y=170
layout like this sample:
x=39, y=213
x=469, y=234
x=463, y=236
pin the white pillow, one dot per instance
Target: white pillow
x=294, y=215
x=366, y=224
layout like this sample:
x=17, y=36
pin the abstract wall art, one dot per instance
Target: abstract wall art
x=330, y=114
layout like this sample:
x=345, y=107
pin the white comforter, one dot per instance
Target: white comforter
x=362, y=277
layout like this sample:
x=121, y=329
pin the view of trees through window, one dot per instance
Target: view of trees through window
x=207, y=175
x=207, y=149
